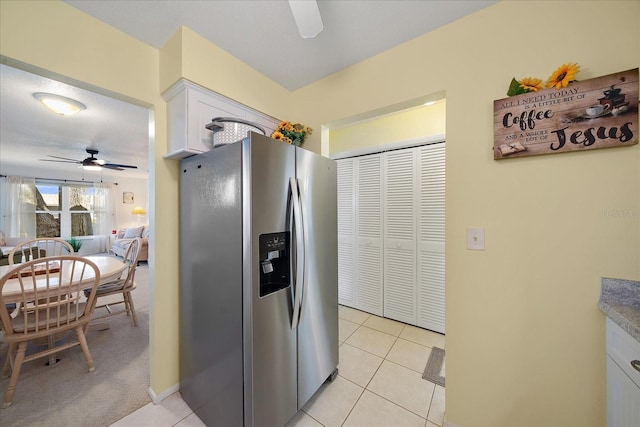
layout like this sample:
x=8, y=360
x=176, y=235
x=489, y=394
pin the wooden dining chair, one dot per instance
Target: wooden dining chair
x=38, y=248
x=52, y=301
x=124, y=285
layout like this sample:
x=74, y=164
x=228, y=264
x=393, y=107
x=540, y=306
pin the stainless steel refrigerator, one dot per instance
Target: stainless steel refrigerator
x=258, y=290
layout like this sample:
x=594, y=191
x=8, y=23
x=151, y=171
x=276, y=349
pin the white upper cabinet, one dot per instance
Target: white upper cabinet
x=191, y=107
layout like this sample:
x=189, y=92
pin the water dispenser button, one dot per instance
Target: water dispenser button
x=267, y=267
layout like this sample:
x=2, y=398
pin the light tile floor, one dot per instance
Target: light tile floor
x=379, y=383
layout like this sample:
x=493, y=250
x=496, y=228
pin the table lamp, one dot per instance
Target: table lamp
x=139, y=212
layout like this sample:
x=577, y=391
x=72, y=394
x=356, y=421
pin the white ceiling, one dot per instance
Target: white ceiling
x=261, y=33
x=29, y=131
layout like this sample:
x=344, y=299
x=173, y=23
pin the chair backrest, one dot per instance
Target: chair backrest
x=49, y=295
x=38, y=248
x=131, y=259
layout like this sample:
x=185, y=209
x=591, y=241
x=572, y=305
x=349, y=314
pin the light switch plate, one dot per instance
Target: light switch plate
x=475, y=238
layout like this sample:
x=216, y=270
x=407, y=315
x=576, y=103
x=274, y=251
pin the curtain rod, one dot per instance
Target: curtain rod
x=62, y=180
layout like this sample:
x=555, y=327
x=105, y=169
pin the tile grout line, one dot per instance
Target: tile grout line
x=399, y=406
x=354, y=405
x=310, y=416
x=431, y=403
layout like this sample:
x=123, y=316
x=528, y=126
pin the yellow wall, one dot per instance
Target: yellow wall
x=403, y=125
x=187, y=55
x=525, y=339
x=60, y=39
x=66, y=43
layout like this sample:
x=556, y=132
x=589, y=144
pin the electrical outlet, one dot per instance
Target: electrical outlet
x=475, y=238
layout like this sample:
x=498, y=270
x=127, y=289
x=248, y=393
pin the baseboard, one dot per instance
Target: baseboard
x=448, y=424
x=157, y=398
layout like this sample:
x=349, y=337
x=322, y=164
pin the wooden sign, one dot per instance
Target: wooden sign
x=589, y=114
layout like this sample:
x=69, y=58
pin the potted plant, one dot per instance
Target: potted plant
x=76, y=244
x=291, y=133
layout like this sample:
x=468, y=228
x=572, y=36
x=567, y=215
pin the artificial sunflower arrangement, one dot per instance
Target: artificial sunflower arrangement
x=560, y=78
x=291, y=133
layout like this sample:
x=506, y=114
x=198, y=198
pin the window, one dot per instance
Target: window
x=65, y=210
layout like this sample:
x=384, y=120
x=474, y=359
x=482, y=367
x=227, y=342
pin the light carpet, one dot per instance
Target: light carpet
x=67, y=394
x=434, y=371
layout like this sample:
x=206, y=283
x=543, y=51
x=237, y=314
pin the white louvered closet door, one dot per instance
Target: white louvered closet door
x=369, y=234
x=400, y=236
x=346, y=232
x=431, y=237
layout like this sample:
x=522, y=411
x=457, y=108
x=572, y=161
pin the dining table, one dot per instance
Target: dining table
x=109, y=267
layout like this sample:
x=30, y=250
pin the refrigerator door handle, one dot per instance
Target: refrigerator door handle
x=299, y=248
x=305, y=236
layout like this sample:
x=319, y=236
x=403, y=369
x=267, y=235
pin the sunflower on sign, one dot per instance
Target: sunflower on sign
x=560, y=78
x=563, y=76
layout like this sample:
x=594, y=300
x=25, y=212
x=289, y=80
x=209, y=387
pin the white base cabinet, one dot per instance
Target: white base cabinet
x=623, y=380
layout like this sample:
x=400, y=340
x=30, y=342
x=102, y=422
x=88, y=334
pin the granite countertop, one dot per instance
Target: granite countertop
x=620, y=301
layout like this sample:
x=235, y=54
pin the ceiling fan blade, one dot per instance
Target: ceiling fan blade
x=307, y=17
x=112, y=167
x=90, y=161
x=64, y=158
x=116, y=165
x=59, y=161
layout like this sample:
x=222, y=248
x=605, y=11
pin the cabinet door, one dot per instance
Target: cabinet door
x=369, y=234
x=623, y=397
x=269, y=124
x=431, y=237
x=399, y=236
x=346, y=232
x=201, y=108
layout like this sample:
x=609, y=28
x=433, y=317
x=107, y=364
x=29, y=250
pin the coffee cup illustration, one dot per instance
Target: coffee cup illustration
x=597, y=109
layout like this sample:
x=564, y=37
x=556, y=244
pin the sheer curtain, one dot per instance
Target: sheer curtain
x=18, y=206
x=103, y=208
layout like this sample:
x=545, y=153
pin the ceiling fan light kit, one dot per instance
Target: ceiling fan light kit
x=59, y=104
x=307, y=17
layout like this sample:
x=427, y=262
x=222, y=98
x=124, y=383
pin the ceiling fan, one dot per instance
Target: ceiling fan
x=307, y=17
x=91, y=162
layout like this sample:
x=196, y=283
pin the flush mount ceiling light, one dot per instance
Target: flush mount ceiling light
x=59, y=104
x=307, y=17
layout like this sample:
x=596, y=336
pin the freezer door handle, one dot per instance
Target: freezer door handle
x=299, y=250
x=305, y=236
